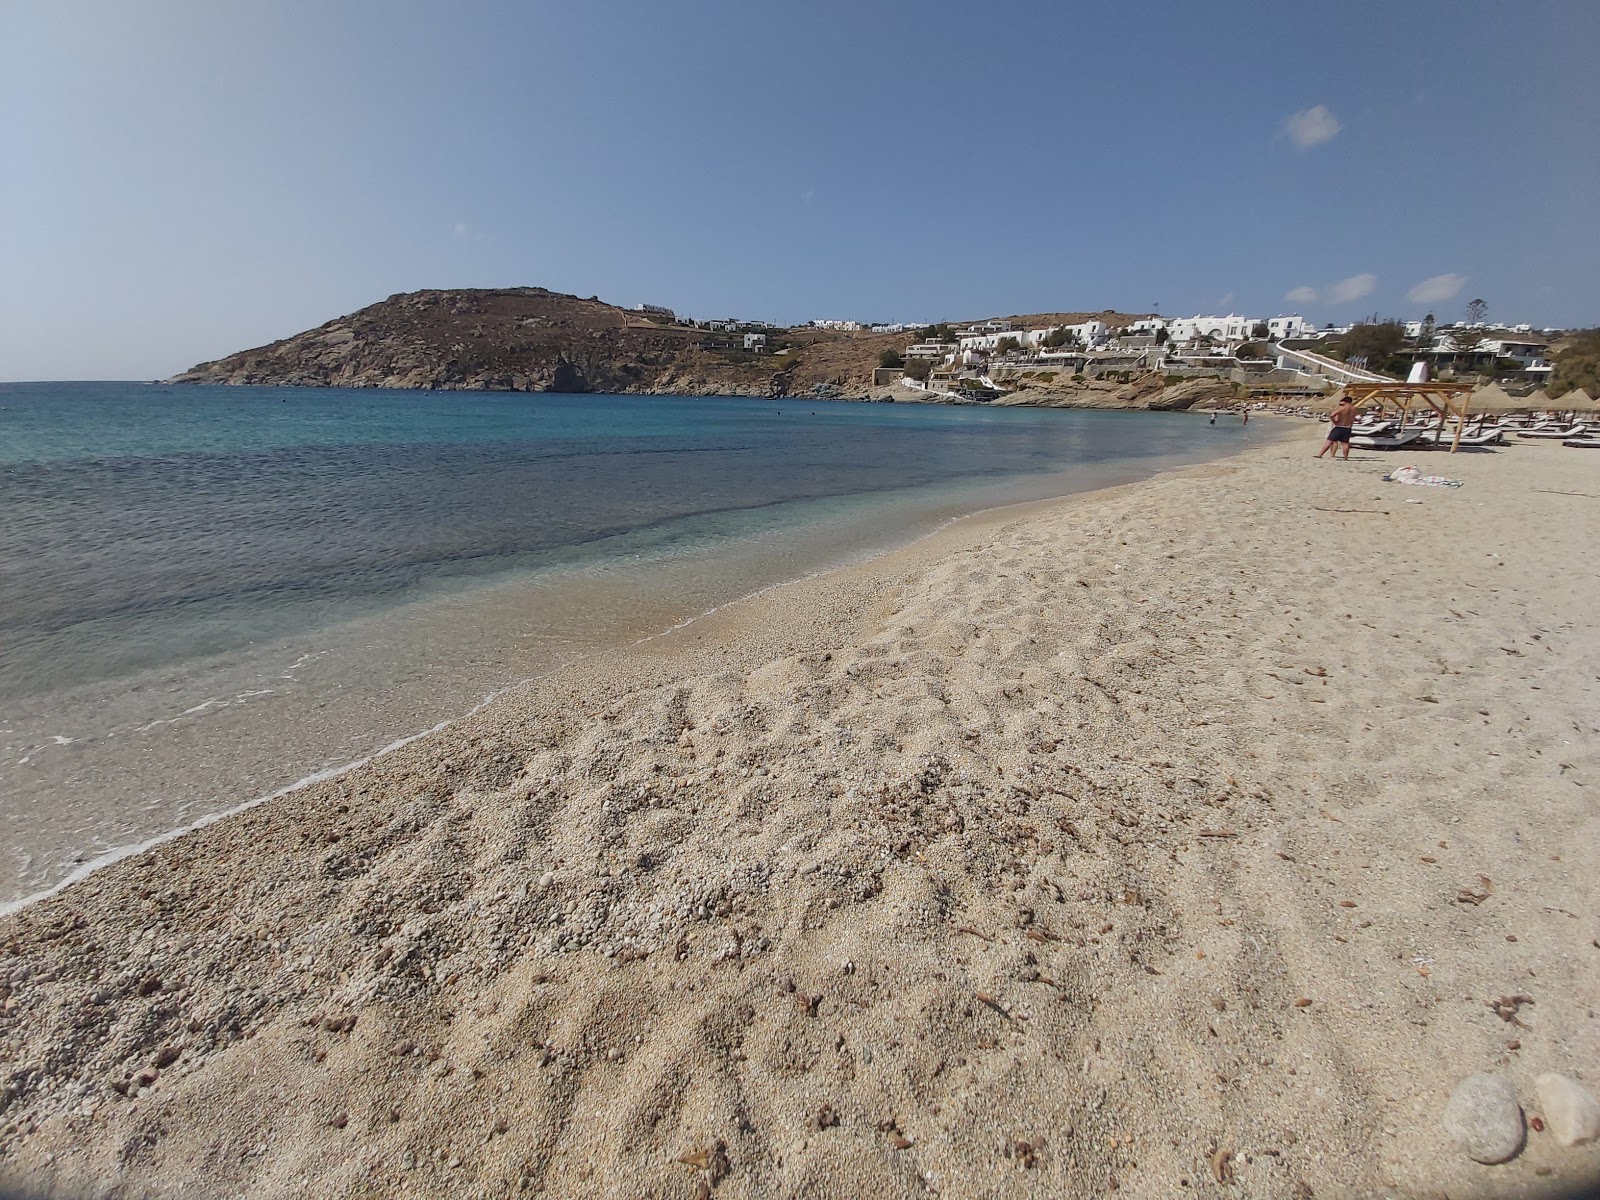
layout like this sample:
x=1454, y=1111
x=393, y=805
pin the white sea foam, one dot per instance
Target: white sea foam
x=118, y=853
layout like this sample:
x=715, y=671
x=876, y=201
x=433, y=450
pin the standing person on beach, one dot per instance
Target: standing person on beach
x=1342, y=422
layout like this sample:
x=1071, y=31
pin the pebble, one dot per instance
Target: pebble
x=1484, y=1118
x=1572, y=1114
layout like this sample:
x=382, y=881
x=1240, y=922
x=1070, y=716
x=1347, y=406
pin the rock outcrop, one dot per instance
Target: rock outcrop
x=533, y=340
x=1146, y=392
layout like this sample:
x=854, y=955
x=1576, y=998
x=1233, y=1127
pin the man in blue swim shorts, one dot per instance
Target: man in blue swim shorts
x=1343, y=421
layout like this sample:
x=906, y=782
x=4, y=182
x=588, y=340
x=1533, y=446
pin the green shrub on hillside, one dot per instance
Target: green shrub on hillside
x=1578, y=365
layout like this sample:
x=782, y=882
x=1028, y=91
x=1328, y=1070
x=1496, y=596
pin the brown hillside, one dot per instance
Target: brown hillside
x=530, y=339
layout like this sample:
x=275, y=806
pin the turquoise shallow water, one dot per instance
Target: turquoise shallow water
x=147, y=524
x=208, y=594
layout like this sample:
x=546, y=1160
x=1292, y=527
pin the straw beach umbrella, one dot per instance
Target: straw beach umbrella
x=1492, y=399
x=1575, y=401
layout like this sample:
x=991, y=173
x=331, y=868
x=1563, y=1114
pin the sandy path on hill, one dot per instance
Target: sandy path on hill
x=1001, y=866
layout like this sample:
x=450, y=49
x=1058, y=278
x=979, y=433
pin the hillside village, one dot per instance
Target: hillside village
x=531, y=339
x=1283, y=354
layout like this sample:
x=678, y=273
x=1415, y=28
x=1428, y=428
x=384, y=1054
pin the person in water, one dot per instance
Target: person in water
x=1343, y=421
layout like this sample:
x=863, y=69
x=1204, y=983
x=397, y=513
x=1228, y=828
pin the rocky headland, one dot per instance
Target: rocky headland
x=533, y=340
x=511, y=339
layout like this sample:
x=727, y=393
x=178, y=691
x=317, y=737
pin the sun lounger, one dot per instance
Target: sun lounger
x=1579, y=430
x=1592, y=442
x=1411, y=437
x=1474, y=441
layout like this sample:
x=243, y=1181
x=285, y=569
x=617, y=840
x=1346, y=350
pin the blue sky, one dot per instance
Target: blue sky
x=180, y=179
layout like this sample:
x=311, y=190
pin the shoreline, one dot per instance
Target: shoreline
x=867, y=553
x=1092, y=397
x=1008, y=845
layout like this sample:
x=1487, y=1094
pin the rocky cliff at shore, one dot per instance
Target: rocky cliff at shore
x=1148, y=392
x=532, y=340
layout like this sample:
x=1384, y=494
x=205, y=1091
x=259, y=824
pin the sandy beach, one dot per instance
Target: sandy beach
x=1196, y=837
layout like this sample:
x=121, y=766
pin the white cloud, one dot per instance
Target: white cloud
x=1301, y=295
x=1350, y=289
x=1440, y=287
x=1226, y=300
x=1311, y=126
x=460, y=230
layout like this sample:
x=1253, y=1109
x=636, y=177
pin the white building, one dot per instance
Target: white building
x=930, y=350
x=1530, y=354
x=1291, y=326
x=991, y=326
x=1231, y=328
x=654, y=310
x=1087, y=333
x=991, y=341
x=755, y=342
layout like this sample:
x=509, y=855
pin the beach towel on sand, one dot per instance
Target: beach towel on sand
x=1412, y=475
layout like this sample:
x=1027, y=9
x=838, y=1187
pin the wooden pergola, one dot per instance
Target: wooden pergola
x=1446, y=399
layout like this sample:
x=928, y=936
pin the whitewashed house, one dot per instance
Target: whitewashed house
x=1147, y=326
x=1291, y=326
x=1231, y=328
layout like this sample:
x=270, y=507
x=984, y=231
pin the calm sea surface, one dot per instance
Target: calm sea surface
x=207, y=594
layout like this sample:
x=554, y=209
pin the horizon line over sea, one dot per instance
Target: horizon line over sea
x=209, y=594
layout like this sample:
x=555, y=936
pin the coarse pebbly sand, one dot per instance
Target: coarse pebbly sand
x=1193, y=838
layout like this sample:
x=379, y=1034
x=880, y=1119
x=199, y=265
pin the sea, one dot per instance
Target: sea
x=210, y=595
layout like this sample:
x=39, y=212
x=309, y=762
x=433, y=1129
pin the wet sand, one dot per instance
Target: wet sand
x=1189, y=830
